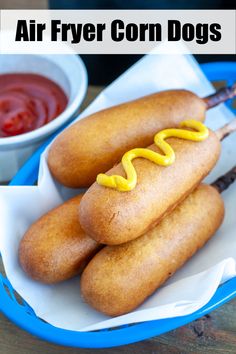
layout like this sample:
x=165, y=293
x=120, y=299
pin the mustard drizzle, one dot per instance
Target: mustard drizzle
x=168, y=158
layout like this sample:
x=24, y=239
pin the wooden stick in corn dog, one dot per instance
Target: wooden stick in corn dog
x=119, y=278
x=94, y=144
x=55, y=248
x=112, y=216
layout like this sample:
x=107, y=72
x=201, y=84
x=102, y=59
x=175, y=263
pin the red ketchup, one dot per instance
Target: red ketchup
x=27, y=102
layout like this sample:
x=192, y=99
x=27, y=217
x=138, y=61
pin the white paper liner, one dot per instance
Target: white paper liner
x=193, y=285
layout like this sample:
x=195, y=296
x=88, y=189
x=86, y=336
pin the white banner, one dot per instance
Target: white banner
x=116, y=31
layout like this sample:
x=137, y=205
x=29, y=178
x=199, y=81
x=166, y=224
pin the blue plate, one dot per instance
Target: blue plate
x=23, y=315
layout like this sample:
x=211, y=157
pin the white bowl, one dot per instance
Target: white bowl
x=66, y=70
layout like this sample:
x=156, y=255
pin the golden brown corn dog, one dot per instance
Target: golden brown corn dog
x=55, y=248
x=95, y=143
x=120, y=278
x=113, y=217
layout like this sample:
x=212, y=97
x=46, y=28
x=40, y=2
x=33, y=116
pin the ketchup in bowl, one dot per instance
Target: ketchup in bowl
x=27, y=102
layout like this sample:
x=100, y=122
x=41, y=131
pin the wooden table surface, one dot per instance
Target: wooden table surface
x=214, y=333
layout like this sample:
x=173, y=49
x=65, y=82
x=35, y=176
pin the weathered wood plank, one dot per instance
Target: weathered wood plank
x=23, y=4
x=215, y=333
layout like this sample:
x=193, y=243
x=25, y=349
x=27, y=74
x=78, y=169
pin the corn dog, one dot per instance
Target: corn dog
x=55, y=248
x=119, y=278
x=94, y=144
x=113, y=217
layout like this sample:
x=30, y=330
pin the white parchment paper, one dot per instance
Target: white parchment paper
x=192, y=286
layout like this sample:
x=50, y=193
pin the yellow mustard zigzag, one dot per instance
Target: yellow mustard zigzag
x=127, y=184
